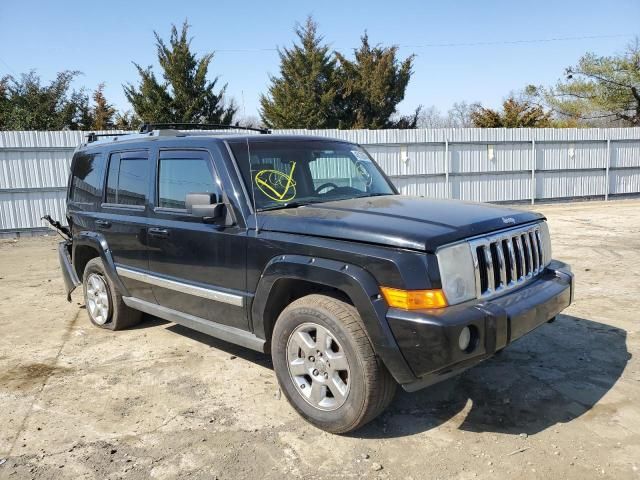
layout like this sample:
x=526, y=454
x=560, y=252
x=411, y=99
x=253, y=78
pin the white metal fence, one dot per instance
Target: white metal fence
x=487, y=165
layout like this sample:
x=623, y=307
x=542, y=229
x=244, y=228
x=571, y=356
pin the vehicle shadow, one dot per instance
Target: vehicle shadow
x=551, y=376
x=258, y=358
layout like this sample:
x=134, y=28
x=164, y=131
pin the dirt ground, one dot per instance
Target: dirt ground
x=160, y=401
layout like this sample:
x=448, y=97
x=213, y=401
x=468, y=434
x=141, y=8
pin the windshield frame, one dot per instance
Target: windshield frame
x=249, y=195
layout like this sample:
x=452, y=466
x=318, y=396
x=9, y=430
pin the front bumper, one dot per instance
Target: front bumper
x=428, y=339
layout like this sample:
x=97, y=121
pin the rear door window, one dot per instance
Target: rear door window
x=87, y=176
x=128, y=178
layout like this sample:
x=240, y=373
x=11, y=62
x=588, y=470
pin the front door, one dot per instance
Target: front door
x=199, y=267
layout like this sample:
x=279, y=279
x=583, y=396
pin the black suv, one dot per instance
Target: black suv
x=301, y=247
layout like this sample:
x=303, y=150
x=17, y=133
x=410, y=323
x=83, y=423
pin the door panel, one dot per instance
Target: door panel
x=122, y=218
x=201, y=265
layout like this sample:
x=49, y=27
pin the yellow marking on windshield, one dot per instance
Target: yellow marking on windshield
x=277, y=185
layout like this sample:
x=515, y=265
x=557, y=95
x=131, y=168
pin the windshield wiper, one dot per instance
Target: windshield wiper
x=294, y=204
x=378, y=194
x=301, y=203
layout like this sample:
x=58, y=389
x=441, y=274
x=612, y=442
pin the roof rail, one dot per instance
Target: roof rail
x=148, y=127
x=93, y=137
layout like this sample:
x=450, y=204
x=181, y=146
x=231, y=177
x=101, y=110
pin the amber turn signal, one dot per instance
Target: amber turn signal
x=414, y=299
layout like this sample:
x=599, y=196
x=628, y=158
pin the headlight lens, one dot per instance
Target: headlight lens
x=546, y=242
x=456, y=272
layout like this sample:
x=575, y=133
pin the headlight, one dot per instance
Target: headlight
x=546, y=242
x=456, y=272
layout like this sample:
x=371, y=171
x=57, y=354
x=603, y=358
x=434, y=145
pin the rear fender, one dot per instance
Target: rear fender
x=355, y=282
x=98, y=243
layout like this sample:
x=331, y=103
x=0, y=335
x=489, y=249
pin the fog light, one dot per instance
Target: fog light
x=464, y=340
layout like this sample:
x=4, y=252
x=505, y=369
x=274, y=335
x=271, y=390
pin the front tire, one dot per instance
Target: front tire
x=103, y=302
x=326, y=366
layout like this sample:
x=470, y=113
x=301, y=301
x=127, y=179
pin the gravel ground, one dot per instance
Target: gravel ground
x=161, y=401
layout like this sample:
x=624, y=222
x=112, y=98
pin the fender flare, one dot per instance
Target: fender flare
x=99, y=243
x=358, y=284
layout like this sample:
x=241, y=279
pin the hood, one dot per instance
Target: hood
x=407, y=222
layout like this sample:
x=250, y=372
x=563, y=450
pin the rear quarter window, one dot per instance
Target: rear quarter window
x=87, y=173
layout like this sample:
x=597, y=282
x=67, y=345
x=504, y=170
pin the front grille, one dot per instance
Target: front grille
x=507, y=259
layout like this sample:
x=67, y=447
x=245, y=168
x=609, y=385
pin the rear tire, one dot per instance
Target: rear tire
x=326, y=366
x=104, y=303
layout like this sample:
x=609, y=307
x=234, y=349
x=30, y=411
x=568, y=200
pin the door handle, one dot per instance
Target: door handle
x=159, y=232
x=103, y=223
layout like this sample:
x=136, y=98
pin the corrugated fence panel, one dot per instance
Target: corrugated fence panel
x=432, y=186
x=23, y=210
x=567, y=184
x=33, y=169
x=489, y=165
x=568, y=156
x=491, y=187
x=625, y=154
x=490, y=157
x=388, y=157
x=419, y=159
x=624, y=181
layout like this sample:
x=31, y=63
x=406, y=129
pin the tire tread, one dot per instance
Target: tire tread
x=122, y=316
x=380, y=385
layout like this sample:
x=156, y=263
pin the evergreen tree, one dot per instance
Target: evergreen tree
x=371, y=87
x=83, y=116
x=103, y=112
x=184, y=94
x=126, y=121
x=515, y=114
x=27, y=104
x=304, y=95
x=598, y=91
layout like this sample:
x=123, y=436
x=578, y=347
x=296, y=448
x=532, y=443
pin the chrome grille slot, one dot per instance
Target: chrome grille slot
x=507, y=259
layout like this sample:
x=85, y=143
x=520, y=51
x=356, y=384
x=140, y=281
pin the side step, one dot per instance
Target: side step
x=223, y=332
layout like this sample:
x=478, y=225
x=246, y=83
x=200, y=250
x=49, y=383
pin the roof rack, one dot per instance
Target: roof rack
x=93, y=137
x=149, y=127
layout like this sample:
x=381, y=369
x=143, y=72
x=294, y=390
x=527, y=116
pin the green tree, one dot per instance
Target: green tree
x=102, y=114
x=27, y=104
x=126, y=120
x=514, y=114
x=598, y=89
x=304, y=95
x=371, y=87
x=184, y=94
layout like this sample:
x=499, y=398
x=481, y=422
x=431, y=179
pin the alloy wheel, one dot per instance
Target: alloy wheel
x=318, y=366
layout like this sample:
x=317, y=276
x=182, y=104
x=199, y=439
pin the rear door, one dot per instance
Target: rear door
x=199, y=267
x=123, y=217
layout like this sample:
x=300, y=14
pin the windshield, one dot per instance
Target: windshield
x=285, y=174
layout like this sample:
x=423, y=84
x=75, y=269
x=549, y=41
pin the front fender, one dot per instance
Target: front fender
x=355, y=282
x=98, y=243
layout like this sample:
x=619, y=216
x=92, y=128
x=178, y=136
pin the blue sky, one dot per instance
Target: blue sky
x=102, y=39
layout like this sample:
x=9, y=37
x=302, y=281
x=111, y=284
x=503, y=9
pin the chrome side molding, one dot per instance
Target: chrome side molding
x=209, y=293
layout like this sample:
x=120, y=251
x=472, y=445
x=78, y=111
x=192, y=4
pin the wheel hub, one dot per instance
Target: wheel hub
x=318, y=366
x=322, y=365
x=97, y=299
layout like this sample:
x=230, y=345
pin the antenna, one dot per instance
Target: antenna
x=253, y=190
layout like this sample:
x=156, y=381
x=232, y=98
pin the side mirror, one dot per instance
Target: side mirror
x=207, y=206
